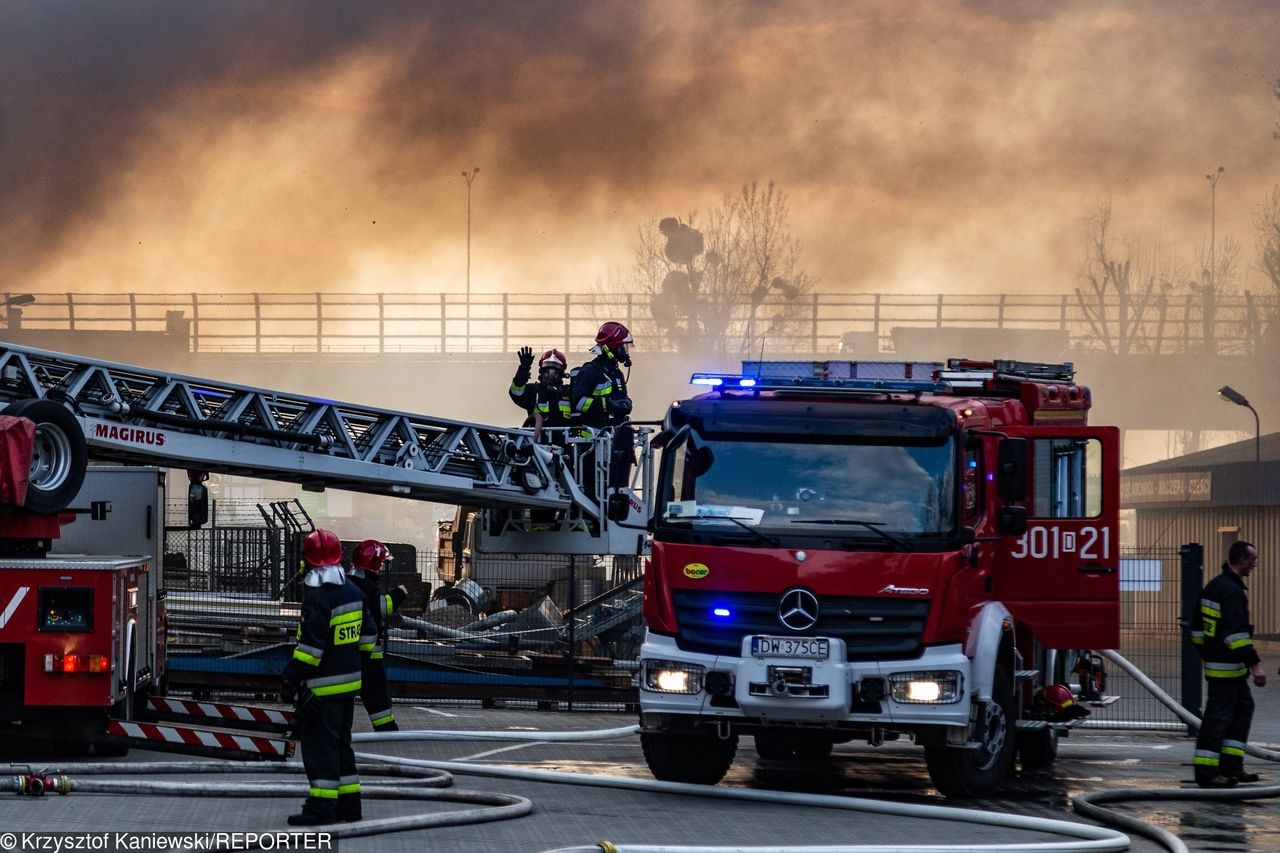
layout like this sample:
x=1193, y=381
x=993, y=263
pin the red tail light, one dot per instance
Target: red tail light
x=76, y=663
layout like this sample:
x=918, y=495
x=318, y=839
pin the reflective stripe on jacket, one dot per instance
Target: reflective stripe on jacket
x=1221, y=630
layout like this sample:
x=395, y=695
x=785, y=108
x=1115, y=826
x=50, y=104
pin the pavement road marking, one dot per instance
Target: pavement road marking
x=502, y=749
x=434, y=711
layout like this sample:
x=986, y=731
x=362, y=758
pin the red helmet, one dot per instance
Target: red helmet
x=370, y=555
x=553, y=358
x=613, y=334
x=1058, y=697
x=322, y=548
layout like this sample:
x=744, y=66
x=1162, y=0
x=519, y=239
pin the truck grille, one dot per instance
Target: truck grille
x=872, y=628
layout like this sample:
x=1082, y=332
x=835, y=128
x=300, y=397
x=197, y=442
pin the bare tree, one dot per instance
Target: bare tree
x=724, y=285
x=1267, y=232
x=1124, y=284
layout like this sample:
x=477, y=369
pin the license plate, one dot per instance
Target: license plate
x=818, y=648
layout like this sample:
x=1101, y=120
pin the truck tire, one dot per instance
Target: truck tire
x=59, y=455
x=979, y=772
x=774, y=746
x=813, y=747
x=1037, y=749
x=697, y=759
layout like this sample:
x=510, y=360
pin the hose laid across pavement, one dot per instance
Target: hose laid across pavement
x=1090, y=805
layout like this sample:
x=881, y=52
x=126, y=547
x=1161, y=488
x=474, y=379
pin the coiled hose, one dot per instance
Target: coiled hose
x=1090, y=805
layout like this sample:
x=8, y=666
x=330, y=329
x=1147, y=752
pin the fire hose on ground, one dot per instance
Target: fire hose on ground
x=425, y=780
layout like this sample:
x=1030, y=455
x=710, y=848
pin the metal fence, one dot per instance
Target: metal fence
x=814, y=323
x=1150, y=636
x=553, y=628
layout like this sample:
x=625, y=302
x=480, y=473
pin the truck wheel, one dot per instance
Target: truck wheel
x=774, y=746
x=813, y=747
x=59, y=455
x=979, y=772
x=1037, y=749
x=698, y=759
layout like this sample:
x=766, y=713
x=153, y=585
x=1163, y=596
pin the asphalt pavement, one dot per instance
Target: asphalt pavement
x=563, y=815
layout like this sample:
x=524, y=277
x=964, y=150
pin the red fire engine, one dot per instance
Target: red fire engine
x=81, y=618
x=874, y=550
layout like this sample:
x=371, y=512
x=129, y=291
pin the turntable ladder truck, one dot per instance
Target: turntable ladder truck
x=63, y=647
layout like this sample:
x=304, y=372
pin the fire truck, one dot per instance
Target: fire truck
x=876, y=550
x=81, y=634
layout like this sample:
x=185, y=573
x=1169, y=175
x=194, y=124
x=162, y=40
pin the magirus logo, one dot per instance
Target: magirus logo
x=905, y=590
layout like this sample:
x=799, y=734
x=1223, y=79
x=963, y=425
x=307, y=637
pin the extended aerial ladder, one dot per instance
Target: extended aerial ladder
x=140, y=415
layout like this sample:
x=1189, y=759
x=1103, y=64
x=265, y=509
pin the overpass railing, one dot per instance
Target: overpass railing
x=861, y=324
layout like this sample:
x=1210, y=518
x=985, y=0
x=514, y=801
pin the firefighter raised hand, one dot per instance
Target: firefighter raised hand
x=526, y=366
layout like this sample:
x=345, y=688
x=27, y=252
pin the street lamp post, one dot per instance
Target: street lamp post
x=1231, y=395
x=1212, y=178
x=469, y=177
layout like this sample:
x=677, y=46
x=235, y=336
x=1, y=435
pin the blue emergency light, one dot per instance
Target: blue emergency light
x=733, y=381
x=721, y=612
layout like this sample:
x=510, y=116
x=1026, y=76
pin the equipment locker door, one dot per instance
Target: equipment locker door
x=1062, y=577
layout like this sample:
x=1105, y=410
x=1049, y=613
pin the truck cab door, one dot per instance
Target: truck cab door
x=1061, y=578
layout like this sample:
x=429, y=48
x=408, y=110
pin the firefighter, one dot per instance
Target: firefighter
x=366, y=564
x=546, y=401
x=1223, y=635
x=600, y=399
x=322, y=678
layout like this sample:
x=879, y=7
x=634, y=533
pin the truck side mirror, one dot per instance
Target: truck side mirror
x=1011, y=470
x=197, y=505
x=1011, y=520
x=616, y=508
x=669, y=438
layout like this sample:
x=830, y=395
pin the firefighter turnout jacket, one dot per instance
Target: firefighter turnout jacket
x=1222, y=631
x=381, y=605
x=537, y=397
x=599, y=393
x=336, y=630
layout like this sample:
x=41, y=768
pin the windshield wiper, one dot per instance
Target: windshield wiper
x=873, y=526
x=763, y=537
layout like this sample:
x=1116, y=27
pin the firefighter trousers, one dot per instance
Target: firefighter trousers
x=323, y=728
x=375, y=695
x=1224, y=730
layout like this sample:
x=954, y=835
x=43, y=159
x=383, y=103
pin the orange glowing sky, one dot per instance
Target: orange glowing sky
x=926, y=146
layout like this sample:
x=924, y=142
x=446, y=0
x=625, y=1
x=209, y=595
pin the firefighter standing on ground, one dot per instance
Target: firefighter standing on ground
x=375, y=692
x=1225, y=638
x=599, y=396
x=546, y=401
x=322, y=678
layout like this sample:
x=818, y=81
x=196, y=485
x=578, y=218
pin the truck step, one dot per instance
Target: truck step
x=216, y=743
x=250, y=717
x=1026, y=674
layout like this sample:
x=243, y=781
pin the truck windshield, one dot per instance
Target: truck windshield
x=826, y=487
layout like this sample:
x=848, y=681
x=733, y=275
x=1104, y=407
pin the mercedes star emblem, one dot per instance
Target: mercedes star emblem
x=798, y=609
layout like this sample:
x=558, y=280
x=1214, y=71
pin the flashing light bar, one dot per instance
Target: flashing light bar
x=728, y=381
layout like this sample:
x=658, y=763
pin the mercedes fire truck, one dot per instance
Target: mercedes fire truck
x=876, y=550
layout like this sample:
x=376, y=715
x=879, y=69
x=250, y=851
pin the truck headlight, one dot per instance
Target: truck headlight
x=925, y=688
x=672, y=676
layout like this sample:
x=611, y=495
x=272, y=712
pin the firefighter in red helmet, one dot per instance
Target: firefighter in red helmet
x=546, y=402
x=322, y=678
x=600, y=400
x=366, y=566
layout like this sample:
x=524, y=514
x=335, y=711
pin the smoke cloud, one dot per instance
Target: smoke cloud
x=240, y=146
